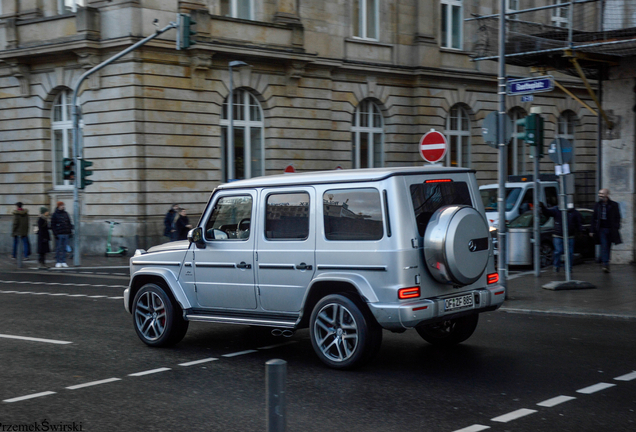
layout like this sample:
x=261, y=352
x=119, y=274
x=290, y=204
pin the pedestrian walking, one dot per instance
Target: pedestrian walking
x=168, y=221
x=182, y=225
x=575, y=225
x=606, y=223
x=62, y=229
x=20, y=231
x=43, y=236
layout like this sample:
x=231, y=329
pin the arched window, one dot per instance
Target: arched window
x=519, y=159
x=367, y=136
x=458, y=135
x=566, y=129
x=62, y=136
x=248, y=138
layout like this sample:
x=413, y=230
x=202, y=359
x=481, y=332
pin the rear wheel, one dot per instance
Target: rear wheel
x=342, y=335
x=157, y=319
x=450, y=332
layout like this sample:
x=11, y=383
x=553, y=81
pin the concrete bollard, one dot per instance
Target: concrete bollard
x=275, y=379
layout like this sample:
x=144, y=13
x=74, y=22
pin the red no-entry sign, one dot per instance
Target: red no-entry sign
x=433, y=146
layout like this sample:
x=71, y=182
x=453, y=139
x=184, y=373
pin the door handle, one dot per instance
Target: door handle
x=243, y=265
x=303, y=266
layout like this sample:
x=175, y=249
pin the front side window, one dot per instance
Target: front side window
x=427, y=198
x=65, y=6
x=452, y=23
x=246, y=159
x=231, y=219
x=367, y=136
x=458, y=134
x=238, y=9
x=366, y=19
x=352, y=214
x=62, y=136
x=287, y=216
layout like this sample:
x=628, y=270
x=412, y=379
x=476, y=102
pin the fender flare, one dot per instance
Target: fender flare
x=360, y=283
x=170, y=279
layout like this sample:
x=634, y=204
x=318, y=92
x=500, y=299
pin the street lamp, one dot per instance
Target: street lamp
x=230, y=129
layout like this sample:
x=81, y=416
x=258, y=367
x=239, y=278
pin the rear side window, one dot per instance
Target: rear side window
x=287, y=216
x=353, y=214
x=428, y=197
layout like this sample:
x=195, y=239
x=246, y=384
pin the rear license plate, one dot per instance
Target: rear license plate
x=461, y=302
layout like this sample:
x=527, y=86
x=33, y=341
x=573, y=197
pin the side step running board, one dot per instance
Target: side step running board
x=244, y=321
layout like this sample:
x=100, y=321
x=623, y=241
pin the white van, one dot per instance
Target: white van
x=519, y=196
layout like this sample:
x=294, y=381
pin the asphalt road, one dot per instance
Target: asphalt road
x=517, y=373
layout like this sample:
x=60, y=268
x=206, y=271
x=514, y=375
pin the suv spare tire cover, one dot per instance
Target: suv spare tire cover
x=456, y=245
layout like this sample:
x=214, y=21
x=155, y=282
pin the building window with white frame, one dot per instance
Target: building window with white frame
x=560, y=15
x=458, y=135
x=367, y=136
x=66, y=6
x=519, y=159
x=243, y=9
x=452, y=23
x=62, y=136
x=249, y=148
x=366, y=19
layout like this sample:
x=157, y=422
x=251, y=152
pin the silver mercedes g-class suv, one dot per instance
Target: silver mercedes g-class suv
x=346, y=253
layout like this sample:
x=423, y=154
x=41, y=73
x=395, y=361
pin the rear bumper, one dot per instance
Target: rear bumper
x=400, y=316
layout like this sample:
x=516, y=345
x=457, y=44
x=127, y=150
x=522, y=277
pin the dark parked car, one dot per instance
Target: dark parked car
x=583, y=243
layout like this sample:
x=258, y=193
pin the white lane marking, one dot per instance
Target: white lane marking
x=239, y=353
x=595, y=388
x=24, y=292
x=93, y=383
x=35, y=395
x=148, y=372
x=7, y=292
x=52, y=341
x=277, y=345
x=77, y=295
x=97, y=296
x=115, y=298
x=513, y=415
x=196, y=362
x=473, y=428
x=41, y=293
x=628, y=377
x=60, y=294
x=555, y=401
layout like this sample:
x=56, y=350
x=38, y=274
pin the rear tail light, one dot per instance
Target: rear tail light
x=493, y=278
x=439, y=181
x=407, y=293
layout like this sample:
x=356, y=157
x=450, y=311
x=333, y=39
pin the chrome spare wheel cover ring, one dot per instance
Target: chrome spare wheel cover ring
x=150, y=316
x=336, y=332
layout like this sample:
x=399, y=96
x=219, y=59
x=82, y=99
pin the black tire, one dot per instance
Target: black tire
x=344, y=335
x=450, y=332
x=546, y=254
x=157, y=319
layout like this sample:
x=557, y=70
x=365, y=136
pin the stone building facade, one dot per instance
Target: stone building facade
x=330, y=83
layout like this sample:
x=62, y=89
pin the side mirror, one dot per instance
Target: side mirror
x=196, y=236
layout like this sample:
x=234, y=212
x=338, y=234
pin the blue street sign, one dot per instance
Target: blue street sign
x=530, y=85
x=527, y=98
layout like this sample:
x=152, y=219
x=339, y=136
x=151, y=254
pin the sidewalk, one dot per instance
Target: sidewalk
x=614, y=295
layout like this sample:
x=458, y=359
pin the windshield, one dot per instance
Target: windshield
x=489, y=198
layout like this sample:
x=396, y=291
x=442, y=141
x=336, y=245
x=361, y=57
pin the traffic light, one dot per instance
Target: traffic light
x=68, y=169
x=185, y=32
x=533, y=131
x=85, y=173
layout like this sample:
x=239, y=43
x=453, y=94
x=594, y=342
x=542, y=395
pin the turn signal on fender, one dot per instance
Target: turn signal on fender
x=407, y=293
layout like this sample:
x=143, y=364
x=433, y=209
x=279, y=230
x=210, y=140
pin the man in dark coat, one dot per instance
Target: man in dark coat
x=62, y=229
x=575, y=224
x=43, y=236
x=182, y=225
x=20, y=230
x=168, y=222
x=606, y=223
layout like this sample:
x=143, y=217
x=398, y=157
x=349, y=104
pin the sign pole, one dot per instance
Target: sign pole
x=501, y=131
x=564, y=214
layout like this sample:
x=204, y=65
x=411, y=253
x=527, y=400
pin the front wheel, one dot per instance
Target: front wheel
x=342, y=335
x=450, y=332
x=157, y=320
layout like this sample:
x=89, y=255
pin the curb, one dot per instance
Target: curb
x=568, y=314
